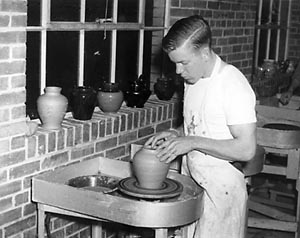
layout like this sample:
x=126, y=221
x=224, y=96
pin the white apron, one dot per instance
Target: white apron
x=225, y=196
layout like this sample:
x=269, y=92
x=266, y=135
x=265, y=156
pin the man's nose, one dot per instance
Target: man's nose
x=178, y=69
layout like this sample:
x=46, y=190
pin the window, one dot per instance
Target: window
x=272, y=30
x=86, y=42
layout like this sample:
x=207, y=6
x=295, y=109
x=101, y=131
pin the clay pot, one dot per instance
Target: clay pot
x=52, y=107
x=148, y=170
x=164, y=88
x=83, y=101
x=136, y=98
x=110, y=98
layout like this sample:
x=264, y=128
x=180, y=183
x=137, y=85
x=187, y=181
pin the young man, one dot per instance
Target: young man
x=219, y=128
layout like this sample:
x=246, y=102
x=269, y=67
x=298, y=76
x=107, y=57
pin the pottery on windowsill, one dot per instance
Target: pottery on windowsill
x=110, y=97
x=82, y=102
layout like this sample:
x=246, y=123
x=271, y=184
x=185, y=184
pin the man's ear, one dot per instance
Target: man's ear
x=205, y=52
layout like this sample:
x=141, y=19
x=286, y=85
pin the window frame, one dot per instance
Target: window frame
x=269, y=27
x=113, y=25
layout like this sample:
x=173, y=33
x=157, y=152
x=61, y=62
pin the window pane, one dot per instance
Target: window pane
x=32, y=72
x=127, y=49
x=97, y=56
x=282, y=45
x=33, y=9
x=96, y=9
x=265, y=11
x=262, y=47
x=66, y=10
x=273, y=44
x=128, y=11
x=62, y=60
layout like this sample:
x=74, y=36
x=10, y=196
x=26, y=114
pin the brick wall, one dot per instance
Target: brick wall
x=232, y=24
x=294, y=37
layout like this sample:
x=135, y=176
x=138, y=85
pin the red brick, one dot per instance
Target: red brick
x=4, y=84
x=60, y=140
x=55, y=160
x=18, y=20
x=86, y=132
x=163, y=126
x=106, y=144
x=12, y=98
x=9, y=216
x=4, y=145
x=51, y=141
x=21, y=198
x=145, y=131
x=5, y=204
x=19, y=52
x=18, y=81
x=13, y=67
x=10, y=188
x=24, y=169
x=20, y=226
x=115, y=153
x=31, y=149
x=17, y=142
x=13, y=6
x=18, y=112
x=4, y=20
x=82, y=151
x=29, y=208
x=127, y=137
x=4, y=51
x=12, y=158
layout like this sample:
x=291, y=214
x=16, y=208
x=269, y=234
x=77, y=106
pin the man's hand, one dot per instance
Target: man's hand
x=169, y=149
x=159, y=138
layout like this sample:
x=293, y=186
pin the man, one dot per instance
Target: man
x=219, y=128
x=286, y=96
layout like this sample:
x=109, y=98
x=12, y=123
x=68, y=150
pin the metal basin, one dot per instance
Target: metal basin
x=100, y=183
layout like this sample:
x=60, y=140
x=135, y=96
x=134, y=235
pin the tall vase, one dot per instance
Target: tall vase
x=149, y=171
x=82, y=102
x=52, y=107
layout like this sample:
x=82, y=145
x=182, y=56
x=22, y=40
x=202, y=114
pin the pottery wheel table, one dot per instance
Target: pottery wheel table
x=53, y=193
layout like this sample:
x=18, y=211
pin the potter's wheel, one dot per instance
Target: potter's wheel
x=170, y=188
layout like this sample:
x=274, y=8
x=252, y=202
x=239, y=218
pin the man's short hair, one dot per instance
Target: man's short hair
x=194, y=29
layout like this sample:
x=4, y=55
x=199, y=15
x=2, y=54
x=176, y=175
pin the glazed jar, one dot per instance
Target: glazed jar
x=52, y=107
x=137, y=93
x=110, y=97
x=149, y=171
x=164, y=88
x=82, y=102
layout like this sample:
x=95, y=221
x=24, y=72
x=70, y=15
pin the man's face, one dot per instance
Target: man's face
x=189, y=63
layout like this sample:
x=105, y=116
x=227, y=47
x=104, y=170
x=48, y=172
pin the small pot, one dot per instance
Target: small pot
x=110, y=98
x=136, y=98
x=149, y=171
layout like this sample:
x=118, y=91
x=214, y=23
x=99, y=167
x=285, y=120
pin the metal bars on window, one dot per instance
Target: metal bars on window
x=272, y=30
x=82, y=26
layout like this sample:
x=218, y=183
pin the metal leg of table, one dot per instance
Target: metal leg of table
x=41, y=221
x=161, y=233
x=97, y=230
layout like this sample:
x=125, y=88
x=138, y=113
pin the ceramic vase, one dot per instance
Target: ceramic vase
x=109, y=97
x=137, y=94
x=164, y=88
x=82, y=102
x=148, y=170
x=52, y=107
